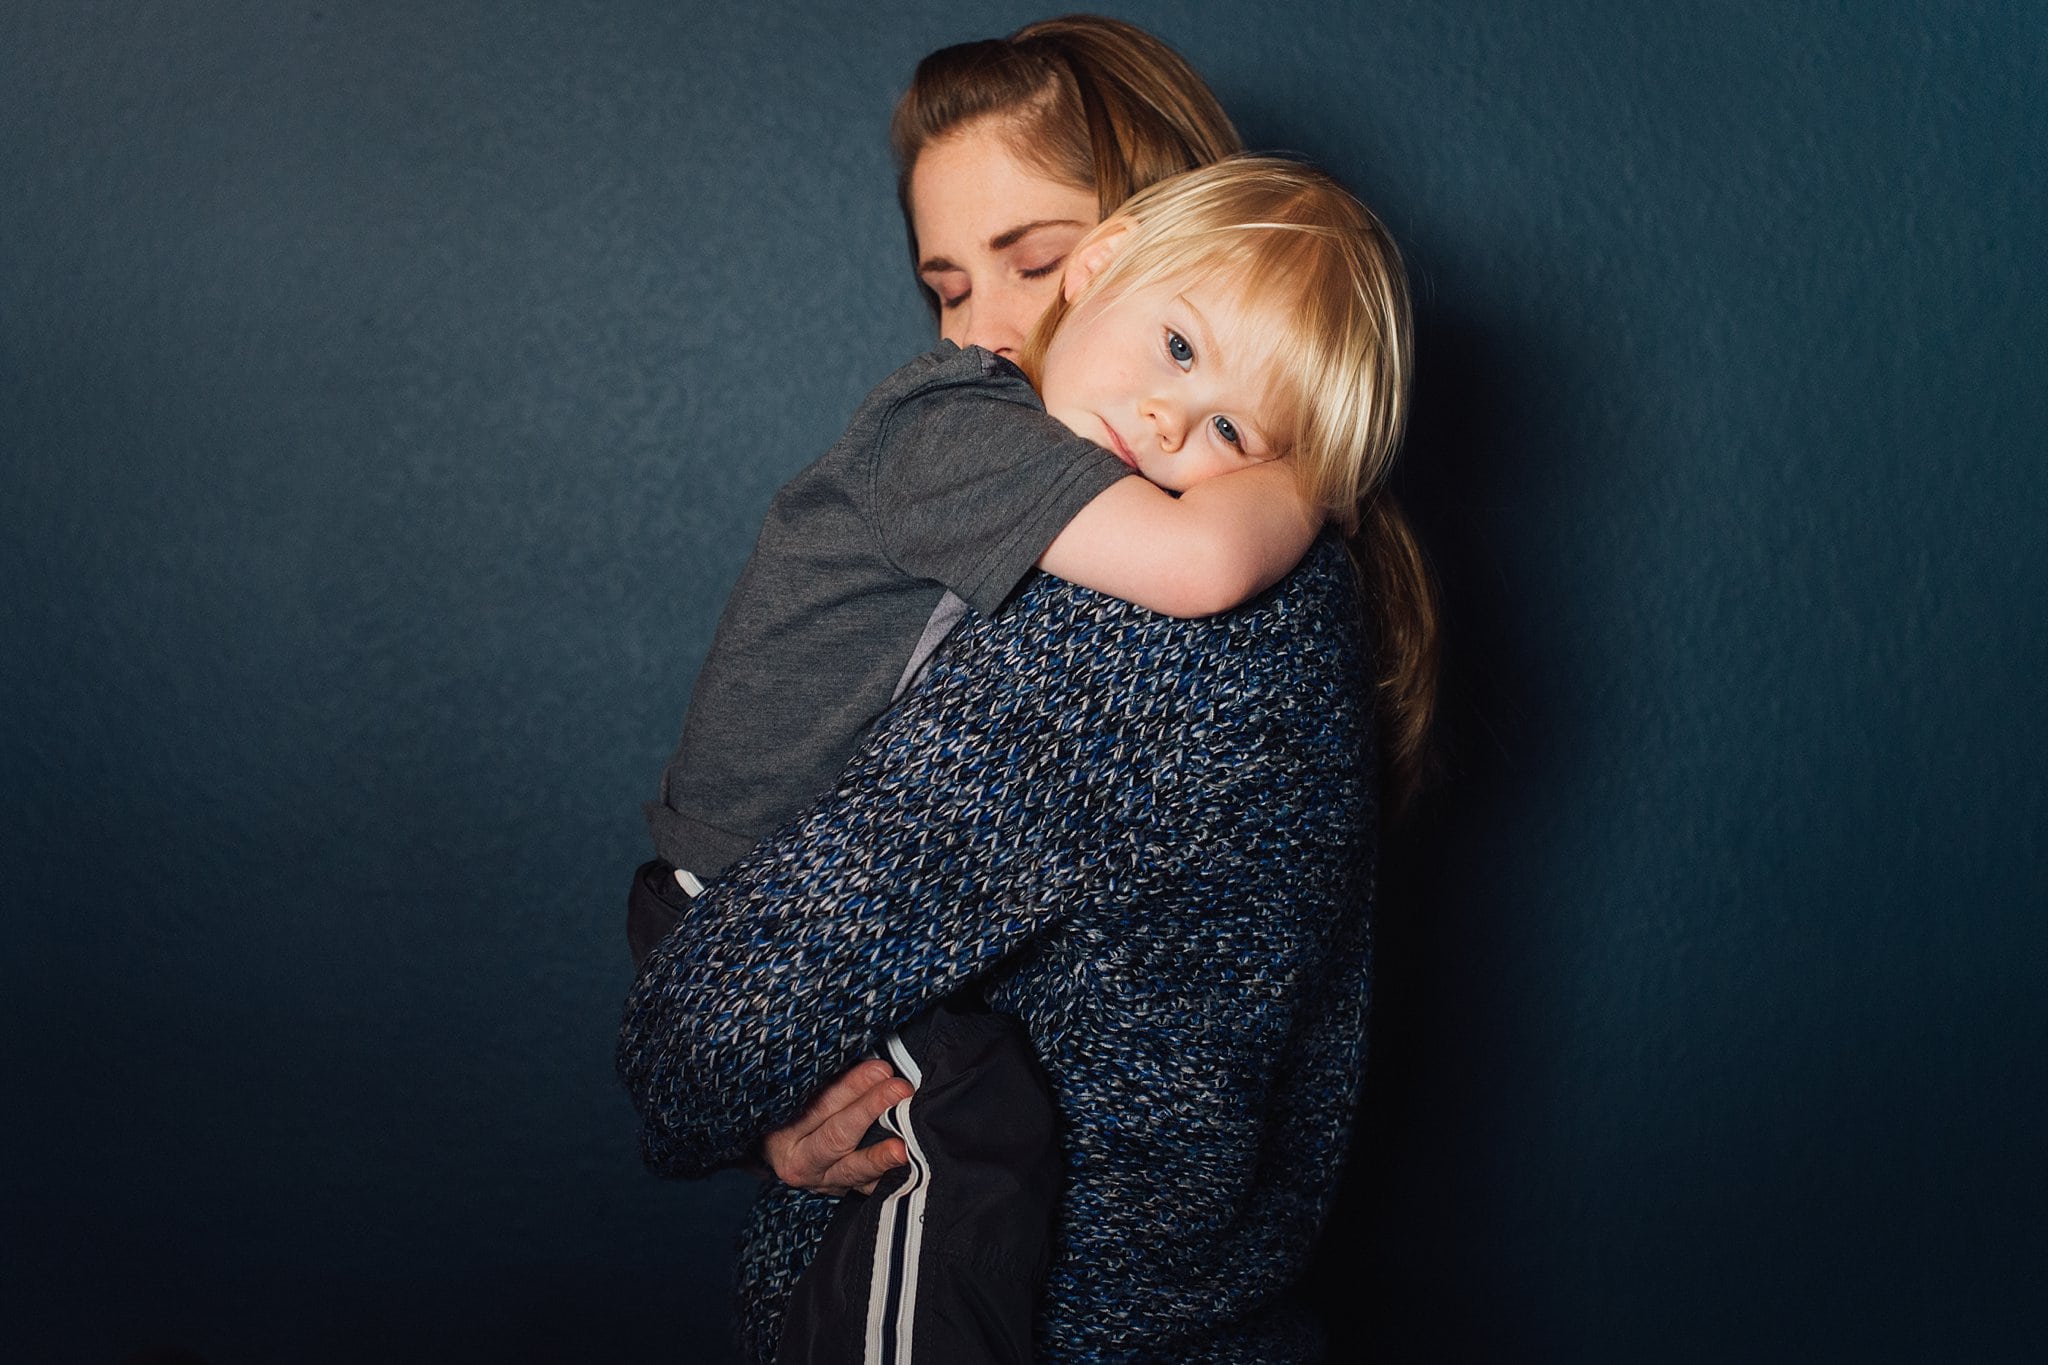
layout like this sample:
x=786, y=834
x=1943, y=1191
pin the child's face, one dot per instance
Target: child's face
x=1151, y=375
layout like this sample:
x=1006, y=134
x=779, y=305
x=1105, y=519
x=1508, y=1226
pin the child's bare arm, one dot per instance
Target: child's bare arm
x=1222, y=542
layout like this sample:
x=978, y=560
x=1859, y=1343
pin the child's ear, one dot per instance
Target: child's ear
x=1096, y=250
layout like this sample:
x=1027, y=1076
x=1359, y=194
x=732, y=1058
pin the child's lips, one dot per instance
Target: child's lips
x=1119, y=449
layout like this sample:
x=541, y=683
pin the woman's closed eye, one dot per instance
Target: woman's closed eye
x=949, y=286
x=948, y=302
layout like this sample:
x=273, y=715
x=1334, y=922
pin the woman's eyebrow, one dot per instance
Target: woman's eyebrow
x=1002, y=241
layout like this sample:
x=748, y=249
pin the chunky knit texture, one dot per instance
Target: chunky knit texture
x=1152, y=841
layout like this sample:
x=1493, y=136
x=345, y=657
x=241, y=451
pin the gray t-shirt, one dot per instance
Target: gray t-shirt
x=950, y=477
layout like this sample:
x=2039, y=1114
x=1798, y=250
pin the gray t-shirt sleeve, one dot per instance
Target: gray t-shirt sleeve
x=970, y=483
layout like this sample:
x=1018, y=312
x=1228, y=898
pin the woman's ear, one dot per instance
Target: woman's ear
x=1096, y=250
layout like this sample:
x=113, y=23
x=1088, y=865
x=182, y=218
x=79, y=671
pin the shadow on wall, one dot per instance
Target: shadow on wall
x=1386, y=1276
x=1424, y=1190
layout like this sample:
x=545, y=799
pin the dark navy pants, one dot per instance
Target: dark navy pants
x=943, y=1263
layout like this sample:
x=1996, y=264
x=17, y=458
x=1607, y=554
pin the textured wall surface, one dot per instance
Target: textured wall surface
x=389, y=393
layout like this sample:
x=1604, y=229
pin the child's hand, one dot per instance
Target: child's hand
x=820, y=1151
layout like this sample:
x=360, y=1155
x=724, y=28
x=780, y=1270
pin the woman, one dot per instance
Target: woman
x=1150, y=840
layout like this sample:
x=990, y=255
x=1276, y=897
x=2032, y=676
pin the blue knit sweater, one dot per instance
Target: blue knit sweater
x=1152, y=841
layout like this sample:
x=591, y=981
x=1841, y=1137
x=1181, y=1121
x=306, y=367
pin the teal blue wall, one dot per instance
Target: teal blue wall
x=389, y=392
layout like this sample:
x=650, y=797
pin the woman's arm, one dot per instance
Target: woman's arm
x=1064, y=766
x=994, y=803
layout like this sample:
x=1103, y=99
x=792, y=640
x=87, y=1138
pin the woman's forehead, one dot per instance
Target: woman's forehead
x=969, y=189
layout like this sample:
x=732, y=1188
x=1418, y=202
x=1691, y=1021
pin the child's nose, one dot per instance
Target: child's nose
x=1168, y=422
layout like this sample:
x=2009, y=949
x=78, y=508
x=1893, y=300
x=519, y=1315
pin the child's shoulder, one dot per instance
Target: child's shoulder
x=947, y=368
x=952, y=400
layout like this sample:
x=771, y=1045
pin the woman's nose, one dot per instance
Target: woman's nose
x=996, y=324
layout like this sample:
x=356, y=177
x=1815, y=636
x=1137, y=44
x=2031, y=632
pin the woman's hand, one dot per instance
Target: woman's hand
x=820, y=1151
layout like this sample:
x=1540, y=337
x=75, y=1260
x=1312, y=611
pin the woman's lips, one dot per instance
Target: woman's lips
x=1119, y=449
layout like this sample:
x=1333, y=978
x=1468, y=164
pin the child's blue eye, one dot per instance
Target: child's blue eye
x=1227, y=429
x=1177, y=347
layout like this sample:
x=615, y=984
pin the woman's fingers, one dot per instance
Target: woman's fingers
x=820, y=1150
x=838, y=1097
x=839, y=1135
x=792, y=1153
x=860, y=1170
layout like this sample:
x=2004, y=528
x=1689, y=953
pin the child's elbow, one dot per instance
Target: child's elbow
x=1211, y=582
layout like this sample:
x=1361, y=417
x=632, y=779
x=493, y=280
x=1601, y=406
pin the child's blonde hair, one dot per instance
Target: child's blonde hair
x=1323, y=282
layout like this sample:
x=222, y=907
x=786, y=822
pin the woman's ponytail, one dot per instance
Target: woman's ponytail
x=1401, y=605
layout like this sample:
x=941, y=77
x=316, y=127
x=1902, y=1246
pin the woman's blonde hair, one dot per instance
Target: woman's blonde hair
x=1321, y=281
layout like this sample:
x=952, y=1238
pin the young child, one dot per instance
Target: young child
x=1246, y=319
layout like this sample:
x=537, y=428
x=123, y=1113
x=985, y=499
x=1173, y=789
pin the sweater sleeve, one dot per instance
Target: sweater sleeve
x=1071, y=769
x=995, y=800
